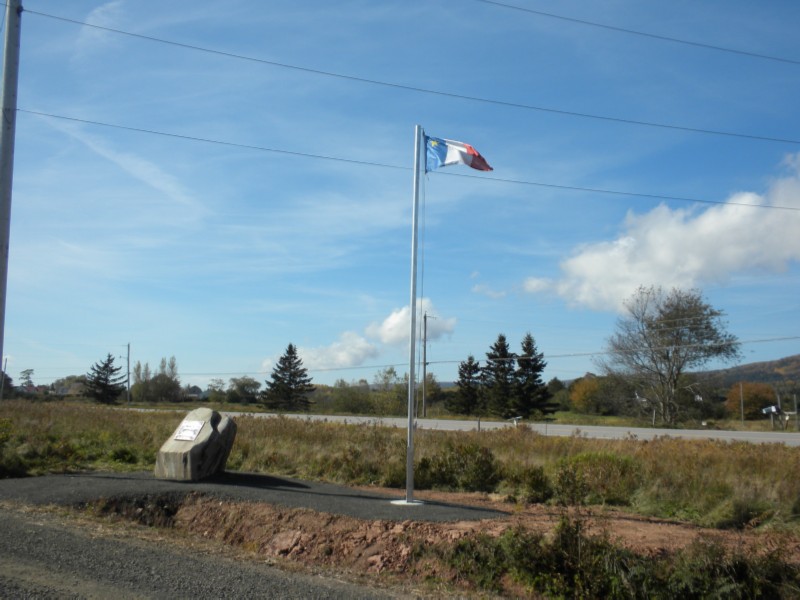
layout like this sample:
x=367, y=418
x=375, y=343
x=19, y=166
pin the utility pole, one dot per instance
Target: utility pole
x=129, y=373
x=741, y=400
x=424, y=361
x=7, y=135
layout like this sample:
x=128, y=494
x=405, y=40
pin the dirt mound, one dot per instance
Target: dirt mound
x=325, y=540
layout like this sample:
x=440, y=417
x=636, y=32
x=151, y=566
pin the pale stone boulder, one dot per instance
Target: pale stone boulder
x=198, y=448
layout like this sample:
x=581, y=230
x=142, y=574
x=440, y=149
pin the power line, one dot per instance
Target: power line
x=655, y=36
x=614, y=192
x=433, y=362
x=421, y=90
x=209, y=140
x=604, y=352
x=388, y=166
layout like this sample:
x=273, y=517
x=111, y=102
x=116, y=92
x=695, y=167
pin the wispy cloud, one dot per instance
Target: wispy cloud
x=138, y=167
x=90, y=39
x=485, y=290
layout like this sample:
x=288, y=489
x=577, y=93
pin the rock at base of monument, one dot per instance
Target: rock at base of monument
x=198, y=448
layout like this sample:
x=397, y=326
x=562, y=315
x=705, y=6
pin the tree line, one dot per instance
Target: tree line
x=288, y=388
x=508, y=385
x=651, y=368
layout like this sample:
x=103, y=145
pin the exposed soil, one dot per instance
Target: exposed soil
x=313, y=540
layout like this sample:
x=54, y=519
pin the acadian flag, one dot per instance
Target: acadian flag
x=441, y=153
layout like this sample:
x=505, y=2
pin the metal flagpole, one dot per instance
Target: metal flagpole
x=7, y=134
x=418, y=139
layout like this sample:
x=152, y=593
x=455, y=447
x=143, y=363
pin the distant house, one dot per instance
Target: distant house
x=192, y=392
x=72, y=390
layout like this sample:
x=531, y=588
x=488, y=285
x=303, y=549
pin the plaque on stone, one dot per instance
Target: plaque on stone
x=188, y=430
x=198, y=448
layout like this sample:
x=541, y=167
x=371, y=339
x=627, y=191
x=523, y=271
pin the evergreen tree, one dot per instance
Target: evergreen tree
x=531, y=395
x=103, y=382
x=467, y=398
x=498, y=379
x=289, y=385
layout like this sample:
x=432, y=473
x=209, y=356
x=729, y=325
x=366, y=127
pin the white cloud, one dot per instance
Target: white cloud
x=141, y=169
x=686, y=247
x=351, y=350
x=92, y=39
x=482, y=288
x=534, y=285
x=394, y=329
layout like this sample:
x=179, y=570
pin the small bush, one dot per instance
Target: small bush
x=745, y=512
x=124, y=455
x=459, y=466
x=536, y=486
x=570, y=486
x=605, y=478
x=576, y=564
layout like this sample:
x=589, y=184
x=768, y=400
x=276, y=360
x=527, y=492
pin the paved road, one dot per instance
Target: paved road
x=81, y=488
x=592, y=431
x=42, y=556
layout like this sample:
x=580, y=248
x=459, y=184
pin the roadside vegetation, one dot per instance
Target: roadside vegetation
x=735, y=486
x=710, y=483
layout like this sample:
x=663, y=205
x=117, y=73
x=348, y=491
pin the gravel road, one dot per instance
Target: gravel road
x=43, y=555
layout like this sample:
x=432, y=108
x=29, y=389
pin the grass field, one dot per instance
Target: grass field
x=724, y=485
x=710, y=483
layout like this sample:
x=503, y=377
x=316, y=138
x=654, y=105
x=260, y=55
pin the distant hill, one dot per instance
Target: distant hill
x=772, y=371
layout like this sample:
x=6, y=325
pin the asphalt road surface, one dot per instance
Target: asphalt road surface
x=44, y=555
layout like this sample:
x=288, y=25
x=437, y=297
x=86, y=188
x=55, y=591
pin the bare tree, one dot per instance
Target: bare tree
x=663, y=336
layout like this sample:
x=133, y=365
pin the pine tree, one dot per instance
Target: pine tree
x=498, y=379
x=103, y=382
x=289, y=385
x=531, y=395
x=467, y=399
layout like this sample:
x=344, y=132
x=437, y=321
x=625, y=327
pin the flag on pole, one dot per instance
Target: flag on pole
x=442, y=153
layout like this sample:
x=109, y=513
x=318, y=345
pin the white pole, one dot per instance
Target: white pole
x=418, y=137
x=7, y=134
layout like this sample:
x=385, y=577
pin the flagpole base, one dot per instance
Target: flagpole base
x=404, y=502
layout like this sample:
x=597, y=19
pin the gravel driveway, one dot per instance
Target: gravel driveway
x=45, y=555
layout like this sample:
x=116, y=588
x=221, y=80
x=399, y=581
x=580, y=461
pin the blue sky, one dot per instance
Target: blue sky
x=246, y=182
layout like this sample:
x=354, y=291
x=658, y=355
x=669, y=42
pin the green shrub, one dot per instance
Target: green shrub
x=744, y=512
x=459, y=466
x=570, y=486
x=601, y=477
x=124, y=455
x=535, y=485
x=576, y=564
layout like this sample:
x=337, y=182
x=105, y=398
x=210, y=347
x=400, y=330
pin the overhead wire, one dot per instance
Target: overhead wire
x=431, y=362
x=454, y=95
x=655, y=36
x=258, y=148
x=422, y=90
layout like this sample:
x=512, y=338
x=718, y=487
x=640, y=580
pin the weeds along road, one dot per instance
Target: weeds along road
x=790, y=438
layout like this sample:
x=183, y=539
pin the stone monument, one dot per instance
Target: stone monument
x=198, y=448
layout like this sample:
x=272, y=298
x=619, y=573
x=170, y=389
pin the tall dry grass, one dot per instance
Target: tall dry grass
x=707, y=482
